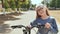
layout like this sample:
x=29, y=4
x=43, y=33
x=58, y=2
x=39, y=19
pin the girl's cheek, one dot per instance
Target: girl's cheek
x=39, y=13
x=43, y=11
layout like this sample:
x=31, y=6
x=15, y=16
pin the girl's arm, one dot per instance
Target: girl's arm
x=54, y=25
x=34, y=23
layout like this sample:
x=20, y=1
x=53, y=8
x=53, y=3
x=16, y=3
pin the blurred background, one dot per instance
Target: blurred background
x=14, y=12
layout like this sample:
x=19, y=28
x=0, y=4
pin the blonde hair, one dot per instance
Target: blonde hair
x=41, y=7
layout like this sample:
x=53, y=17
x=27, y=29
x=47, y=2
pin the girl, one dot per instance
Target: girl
x=43, y=18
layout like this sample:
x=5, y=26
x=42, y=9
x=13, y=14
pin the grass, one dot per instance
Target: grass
x=56, y=14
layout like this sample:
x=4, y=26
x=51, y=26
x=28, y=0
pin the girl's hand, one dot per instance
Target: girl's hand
x=47, y=25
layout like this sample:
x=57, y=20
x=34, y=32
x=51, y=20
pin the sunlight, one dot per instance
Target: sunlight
x=36, y=1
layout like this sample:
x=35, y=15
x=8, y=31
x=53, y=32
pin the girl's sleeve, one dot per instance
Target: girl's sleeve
x=34, y=23
x=54, y=25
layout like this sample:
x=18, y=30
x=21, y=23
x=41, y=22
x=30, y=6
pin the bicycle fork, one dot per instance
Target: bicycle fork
x=26, y=31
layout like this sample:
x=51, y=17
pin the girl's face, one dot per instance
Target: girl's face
x=42, y=11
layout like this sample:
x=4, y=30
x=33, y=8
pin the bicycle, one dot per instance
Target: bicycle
x=27, y=30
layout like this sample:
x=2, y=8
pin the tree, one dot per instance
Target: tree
x=47, y=2
x=55, y=3
x=12, y=4
x=42, y=2
x=17, y=2
x=6, y=5
x=25, y=4
x=28, y=5
x=58, y=3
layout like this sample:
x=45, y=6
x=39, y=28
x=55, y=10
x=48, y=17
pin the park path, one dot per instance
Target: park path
x=25, y=19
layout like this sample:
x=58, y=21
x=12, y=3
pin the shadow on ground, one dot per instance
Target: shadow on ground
x=15, y=14
x=7, y=17
x=5, y=28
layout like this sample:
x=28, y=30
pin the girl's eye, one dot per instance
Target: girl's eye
x=41, y=8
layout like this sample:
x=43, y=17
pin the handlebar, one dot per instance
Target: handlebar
x=38, y=26
x=20, y=26
x=17, y=26
x=27, y=29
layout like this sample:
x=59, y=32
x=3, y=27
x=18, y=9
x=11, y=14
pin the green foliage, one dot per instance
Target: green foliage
x=6, y=5
x=55, y=3
x=12, y=4
x=42, y=2
x=16, y=4
x=58, y=3
x=26, y=4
